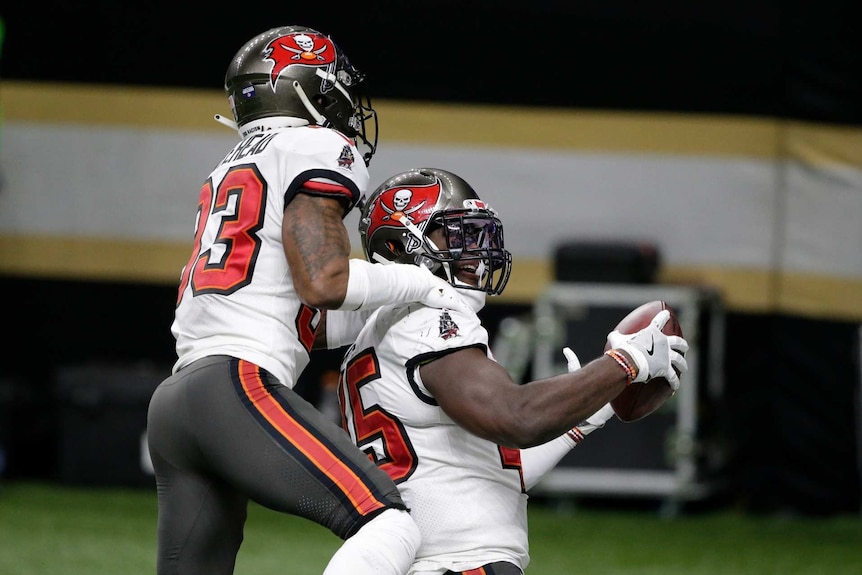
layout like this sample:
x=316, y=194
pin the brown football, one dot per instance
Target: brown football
x=640, y=399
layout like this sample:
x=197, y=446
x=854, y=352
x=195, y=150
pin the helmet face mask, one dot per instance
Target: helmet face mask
x=401, y=216
x=298, y=72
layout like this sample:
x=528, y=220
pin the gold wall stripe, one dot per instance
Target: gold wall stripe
x=824, y=146
x=616, y=132
x=109, y=105
x=820, y=296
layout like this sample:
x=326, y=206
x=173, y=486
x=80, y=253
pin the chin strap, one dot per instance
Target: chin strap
x=318, y=117
x=225, y=122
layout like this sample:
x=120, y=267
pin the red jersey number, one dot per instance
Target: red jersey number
x=510, y=458
x=227, y=264
x=373, y=424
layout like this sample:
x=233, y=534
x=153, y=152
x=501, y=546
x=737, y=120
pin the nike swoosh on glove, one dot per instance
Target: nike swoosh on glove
x=656, y=354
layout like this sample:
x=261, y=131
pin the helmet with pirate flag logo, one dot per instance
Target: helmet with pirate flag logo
x=298, y=72
x=399, y=215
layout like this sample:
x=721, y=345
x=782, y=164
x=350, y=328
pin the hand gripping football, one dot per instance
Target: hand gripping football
x=640, y=399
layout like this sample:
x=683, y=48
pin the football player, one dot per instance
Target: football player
x=270, y=251
x=422, y=395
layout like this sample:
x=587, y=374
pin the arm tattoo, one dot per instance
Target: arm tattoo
x=317, y=231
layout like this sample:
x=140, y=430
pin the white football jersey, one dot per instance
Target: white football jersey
x=465, y=493
x=236, y=294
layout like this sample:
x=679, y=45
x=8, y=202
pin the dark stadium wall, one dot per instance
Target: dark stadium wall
x=791, y=401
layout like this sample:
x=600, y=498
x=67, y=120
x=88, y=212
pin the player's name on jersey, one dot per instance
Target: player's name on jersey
x=250, y=146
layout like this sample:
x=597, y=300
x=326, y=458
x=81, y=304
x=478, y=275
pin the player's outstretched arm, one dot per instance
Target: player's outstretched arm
x=479, y=394
x=317, y=248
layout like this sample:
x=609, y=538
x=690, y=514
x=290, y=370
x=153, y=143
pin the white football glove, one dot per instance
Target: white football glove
x=656, y=354
x=599, y=418
x=572, y=361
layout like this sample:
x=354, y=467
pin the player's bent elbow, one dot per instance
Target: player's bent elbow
x=321, y=296
x=520, y=434
x=326, y=290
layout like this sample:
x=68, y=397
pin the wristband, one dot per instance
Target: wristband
x=622, y=361
x=576, y=435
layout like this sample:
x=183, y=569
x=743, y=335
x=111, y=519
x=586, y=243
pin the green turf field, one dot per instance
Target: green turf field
x=57, y=530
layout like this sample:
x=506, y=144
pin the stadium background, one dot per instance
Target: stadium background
x=732, y=128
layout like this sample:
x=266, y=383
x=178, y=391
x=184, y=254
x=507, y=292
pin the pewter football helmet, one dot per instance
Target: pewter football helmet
x=400, y=214
x=299, y=72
